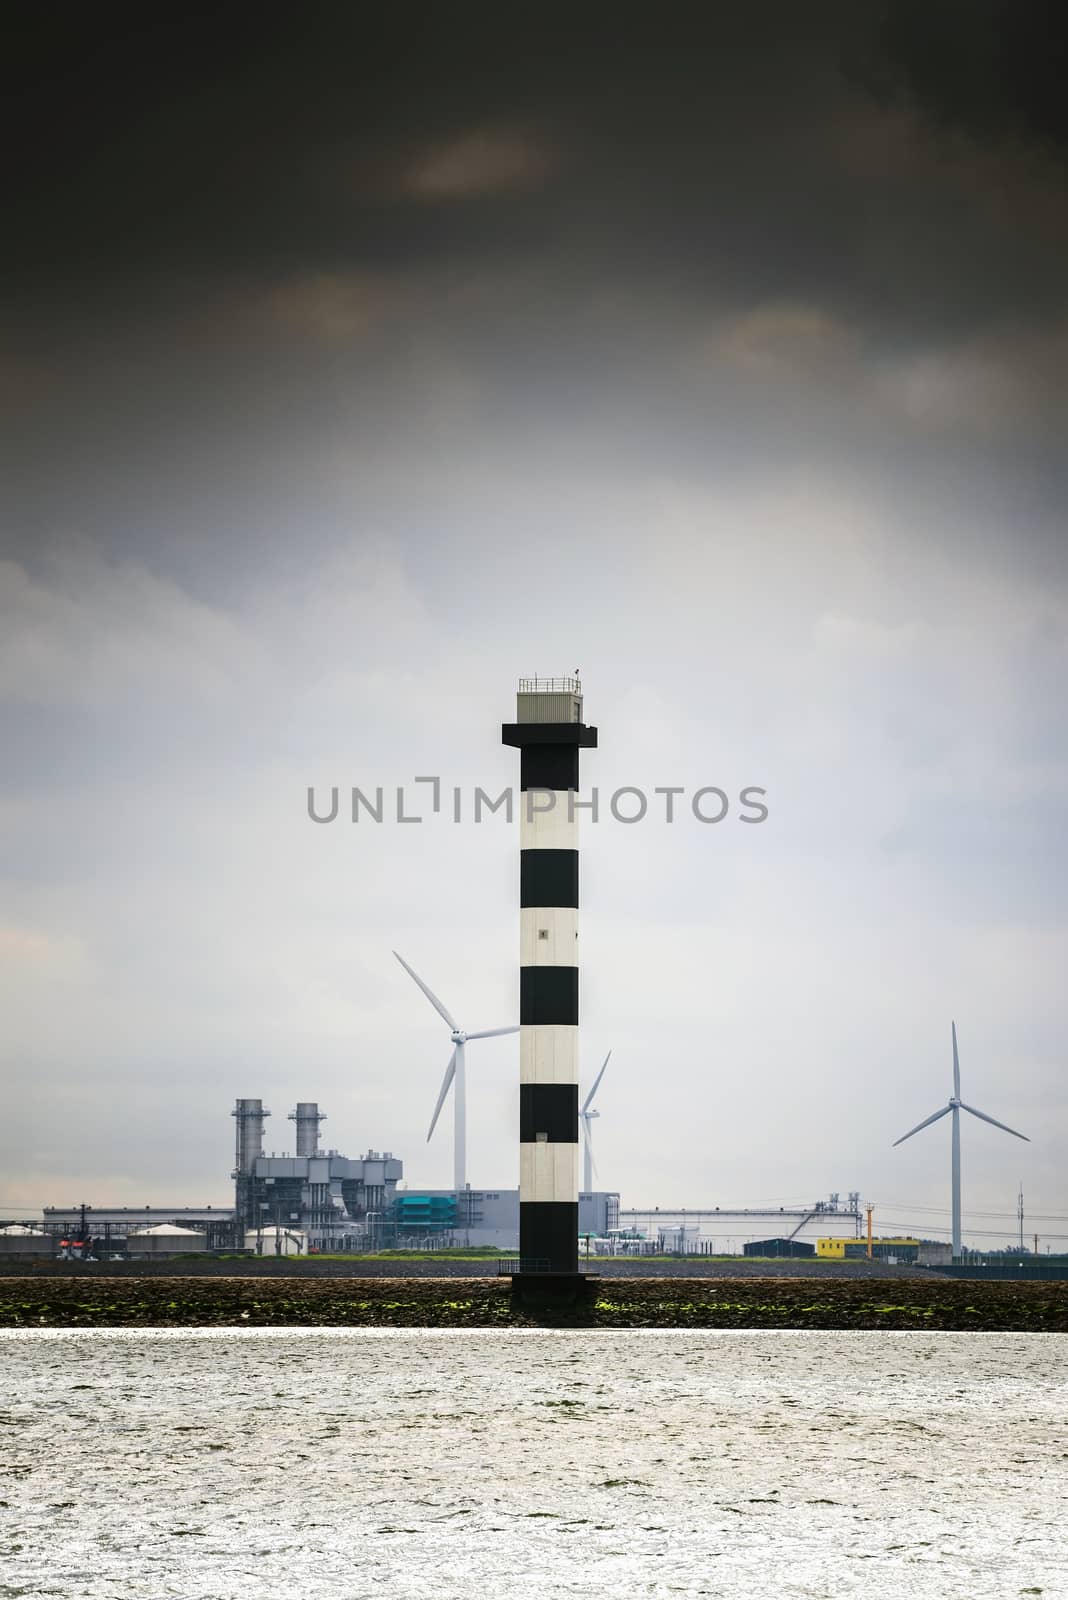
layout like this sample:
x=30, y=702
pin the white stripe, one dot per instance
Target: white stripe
x=548, y=1172
x=546, y=829
x=548, y=936
x=548, y=1053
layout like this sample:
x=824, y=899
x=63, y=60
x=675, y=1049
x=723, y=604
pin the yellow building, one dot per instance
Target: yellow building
x=857, y=1249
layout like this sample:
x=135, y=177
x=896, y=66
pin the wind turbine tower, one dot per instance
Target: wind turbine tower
x=587, y=1117
x=956, y=1106
x=455, y=1078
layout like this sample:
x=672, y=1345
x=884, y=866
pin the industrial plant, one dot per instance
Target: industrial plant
x=324, y=1199
x=315, y=1201
x=312, y=1201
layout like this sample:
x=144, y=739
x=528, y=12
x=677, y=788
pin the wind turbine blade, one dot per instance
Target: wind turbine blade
x=926, y=1123
x=431, y=996
x=956, y=1064
x=589, y=1098
x=994, y=1122
x=450, y=1073
x=492, y=1033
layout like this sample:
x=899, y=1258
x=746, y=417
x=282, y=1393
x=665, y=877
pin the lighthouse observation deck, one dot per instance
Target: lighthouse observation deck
x=549, y=700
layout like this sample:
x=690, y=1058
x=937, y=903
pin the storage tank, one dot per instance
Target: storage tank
x=277, y=1241
x=165, y=1239
x=18, y=1241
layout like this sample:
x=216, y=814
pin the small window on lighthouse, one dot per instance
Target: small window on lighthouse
x=543, y=933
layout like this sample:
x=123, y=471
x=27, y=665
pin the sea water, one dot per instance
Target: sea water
x=211, y=1464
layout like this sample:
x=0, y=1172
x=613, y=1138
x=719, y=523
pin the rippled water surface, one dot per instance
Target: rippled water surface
x=302, y=1464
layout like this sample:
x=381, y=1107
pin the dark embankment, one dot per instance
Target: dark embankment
x=913, y=1303
x=443, y=1266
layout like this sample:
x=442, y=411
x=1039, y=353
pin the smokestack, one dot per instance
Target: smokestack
x=249, y=1144
x=249, y=1115
x=307, y=1117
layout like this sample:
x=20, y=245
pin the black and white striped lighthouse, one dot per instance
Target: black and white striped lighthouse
x=550, y=732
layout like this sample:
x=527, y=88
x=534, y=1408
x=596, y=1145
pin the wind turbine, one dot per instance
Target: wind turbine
x=587, y=1117
x=454, y=1074
x=957, y=1105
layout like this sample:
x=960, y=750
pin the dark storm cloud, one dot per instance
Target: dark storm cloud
x=717, y=234
x=708, y=150
x=990, y=69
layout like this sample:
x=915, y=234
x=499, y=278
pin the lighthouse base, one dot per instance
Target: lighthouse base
x=552, y=1288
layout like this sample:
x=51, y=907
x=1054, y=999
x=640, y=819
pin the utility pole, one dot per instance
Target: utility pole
x=1036, y=1244
x=870, y=1209
x=1020, y=1215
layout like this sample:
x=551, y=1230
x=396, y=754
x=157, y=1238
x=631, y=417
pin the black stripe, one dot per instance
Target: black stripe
x=548, y=877
x=550, y=1109
x=528, y=733
x=548, y=1232
x=548, y=994
x=549, y=766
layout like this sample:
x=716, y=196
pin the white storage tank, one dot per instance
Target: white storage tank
x=166, y=1239
x=277, y=1241
x=18, y=1240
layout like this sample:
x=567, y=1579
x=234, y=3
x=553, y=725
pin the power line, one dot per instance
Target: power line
x=984, y=1233
x=944, y=1211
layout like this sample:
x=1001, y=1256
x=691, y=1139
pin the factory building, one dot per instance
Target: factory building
x=332, y=1200
x=726, y=1230
x=110, y=1229
x=328, y=1200
x=778, y=1249
x=900, y=1249
x=487, y=1217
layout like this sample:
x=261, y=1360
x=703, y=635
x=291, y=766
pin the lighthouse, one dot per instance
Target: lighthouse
x=549, y=732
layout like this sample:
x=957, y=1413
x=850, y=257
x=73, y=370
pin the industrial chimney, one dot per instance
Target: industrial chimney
x=250, y=1115
x=307, y=1117
x=249, y=1147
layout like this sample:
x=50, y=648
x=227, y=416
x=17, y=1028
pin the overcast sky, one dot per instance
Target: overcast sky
x=354, y=365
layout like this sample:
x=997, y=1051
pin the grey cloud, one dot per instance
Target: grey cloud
x=343, y=387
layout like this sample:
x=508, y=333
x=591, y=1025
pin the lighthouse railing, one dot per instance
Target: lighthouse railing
x=508, y=1265
x=550, y=686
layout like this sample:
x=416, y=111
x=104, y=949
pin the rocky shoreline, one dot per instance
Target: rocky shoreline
x=914, y=1302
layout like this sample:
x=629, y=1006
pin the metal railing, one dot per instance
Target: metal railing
x=507, y=1265
x=550, y=686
